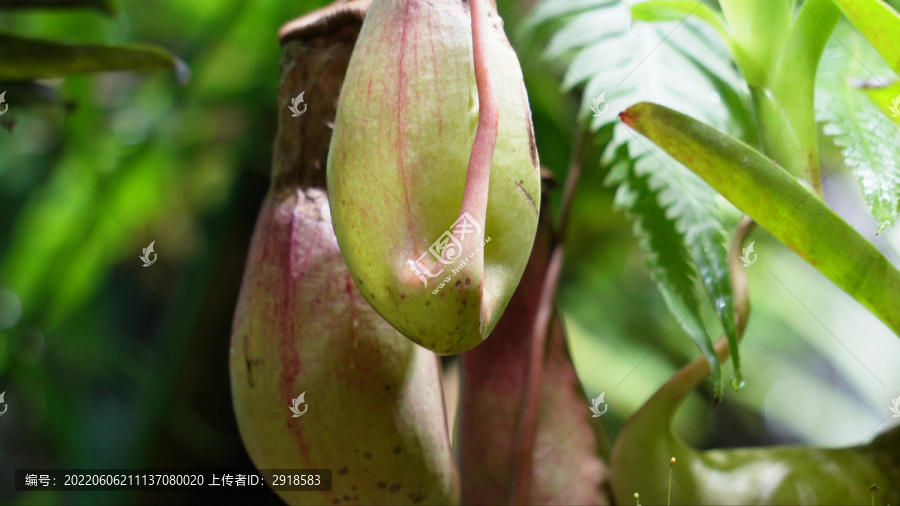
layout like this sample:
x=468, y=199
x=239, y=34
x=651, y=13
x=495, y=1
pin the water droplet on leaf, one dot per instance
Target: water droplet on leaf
x=737, y=381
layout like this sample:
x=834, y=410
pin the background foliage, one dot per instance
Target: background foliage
x=108, y=364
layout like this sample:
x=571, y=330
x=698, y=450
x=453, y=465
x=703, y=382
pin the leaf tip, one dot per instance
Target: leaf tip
x=631, y=115
x=628, y=116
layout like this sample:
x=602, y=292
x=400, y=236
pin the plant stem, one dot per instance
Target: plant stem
x=582, y=135
x=544, y=313
x=758, y=30
x=778, y=59
x=784, y=102
x=669, y=493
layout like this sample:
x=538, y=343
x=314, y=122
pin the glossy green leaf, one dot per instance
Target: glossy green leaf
x=869, y=141
x=879, y=22
x=668, y=258
x=104, y=6
x=886, y=98
x=781, y=205
x=22, y=59
x=677, y=10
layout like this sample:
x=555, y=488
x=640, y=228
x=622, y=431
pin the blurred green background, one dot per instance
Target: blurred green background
x=108, y=364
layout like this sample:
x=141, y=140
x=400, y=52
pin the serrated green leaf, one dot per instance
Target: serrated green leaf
x=691, y=203
x=25, y=59
x=776, y=201
x=668, y=259
x=606, y=52
x=868, y=139
x=104, y=6
x=546, y=11
x=705, y=238
x=879, y=22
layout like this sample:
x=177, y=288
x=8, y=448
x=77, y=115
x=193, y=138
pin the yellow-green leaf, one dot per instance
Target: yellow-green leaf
x=794, y=215
x=879, y=22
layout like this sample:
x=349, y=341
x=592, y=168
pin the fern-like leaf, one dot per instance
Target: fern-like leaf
x=684, y=65
x=668, y=258
x=868, y=139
